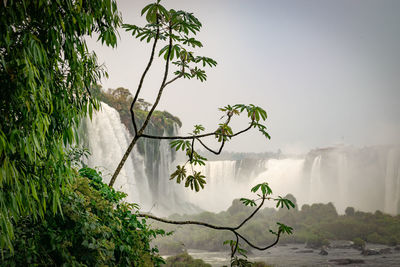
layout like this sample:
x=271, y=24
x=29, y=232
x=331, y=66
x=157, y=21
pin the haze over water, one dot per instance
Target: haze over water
x=326, y=72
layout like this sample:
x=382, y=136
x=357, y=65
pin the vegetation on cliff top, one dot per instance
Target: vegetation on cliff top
x=121, y=99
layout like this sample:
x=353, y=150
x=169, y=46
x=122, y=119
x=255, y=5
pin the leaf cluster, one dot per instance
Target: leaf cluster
x=179, y=27
x=45, y=70
x=96, y=227
x=195, y=181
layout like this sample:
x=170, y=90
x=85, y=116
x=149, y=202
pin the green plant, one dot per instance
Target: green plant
x=184, y=260
x=96, y=227
x=359, y=243
x=178, y=28
x=45, y=72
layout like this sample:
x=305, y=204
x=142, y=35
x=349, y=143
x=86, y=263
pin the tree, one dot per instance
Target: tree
x=177, y=29
x=45, y=70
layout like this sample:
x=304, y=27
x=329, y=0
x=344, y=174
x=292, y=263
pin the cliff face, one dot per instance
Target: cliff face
x=121, y=99
x=161, y=123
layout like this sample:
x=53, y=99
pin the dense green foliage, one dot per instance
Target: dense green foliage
x=95, y=228
x=184, y=260
x=45, y=68
x=315, y=225
x=50, y=214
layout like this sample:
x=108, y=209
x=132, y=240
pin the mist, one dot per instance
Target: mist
x=326, y=72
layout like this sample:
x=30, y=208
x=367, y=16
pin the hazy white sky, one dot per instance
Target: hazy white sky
x=327, y=72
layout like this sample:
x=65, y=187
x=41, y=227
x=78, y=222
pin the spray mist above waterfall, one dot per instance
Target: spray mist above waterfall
x=364, y=178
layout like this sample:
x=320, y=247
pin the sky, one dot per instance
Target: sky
x=326, y=72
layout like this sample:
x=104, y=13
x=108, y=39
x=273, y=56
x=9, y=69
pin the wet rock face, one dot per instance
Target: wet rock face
x=323, y=252
x=370, y=252
x=347, y=261
x=385, y=251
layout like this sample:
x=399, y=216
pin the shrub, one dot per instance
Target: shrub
x=185, y=260
x=96, y=227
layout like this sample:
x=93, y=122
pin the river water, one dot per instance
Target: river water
x=298, y=255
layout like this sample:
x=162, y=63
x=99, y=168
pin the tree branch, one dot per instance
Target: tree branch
x=163, y=84
x=261, y=248
x=142, y=79
x=209, y=149
x=251, y=215
x=234, y=249
x=191, y=152
x=223, y=228
x=195, y=136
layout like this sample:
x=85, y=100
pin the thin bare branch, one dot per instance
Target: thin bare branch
x=261, y=248
x=142, y=79
x=216, y=227
x=160, y=91
x=236, y=246
x=191, y=153
x=209, y=149
x=251, y=215
x=195, y=136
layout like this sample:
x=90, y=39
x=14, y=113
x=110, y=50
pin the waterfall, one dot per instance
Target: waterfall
x=221, y=186
x=145, y=178
x=107, y=139
x=343, y=185
x=367, y=179
x=315, y=181
x=392, y=182
x=168, y=195
x=364, y=178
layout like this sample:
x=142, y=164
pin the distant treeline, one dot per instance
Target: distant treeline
x=314, y=224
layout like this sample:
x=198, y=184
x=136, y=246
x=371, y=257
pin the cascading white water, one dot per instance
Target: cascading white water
x=367, y=179
x=107, y=139
x=221, y=186
x=343, y=185
x=284, y=176
x=315, y=192
x=169, y=194
x=392, y=182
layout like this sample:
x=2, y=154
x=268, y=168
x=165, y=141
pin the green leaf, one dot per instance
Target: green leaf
x=248, y=202
x=284, y=228
x=179, y=174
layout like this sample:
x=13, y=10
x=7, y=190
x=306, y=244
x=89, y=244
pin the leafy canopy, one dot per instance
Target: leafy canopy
x=45, y=70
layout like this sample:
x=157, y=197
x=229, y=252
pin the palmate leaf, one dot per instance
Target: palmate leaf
x=261, y=128
x=223, y=130
x=254, y=112
x=284, y=202
x=180, y=144
x=198, y=128
x=196, y=159
x=195, y=181
x=248, y=202
x=206, y=61
x=179, y=174
x=198, y=74
x=154, y=9
x=175, y=51
x=264, y=187
x=283, y=228
x=191, y=41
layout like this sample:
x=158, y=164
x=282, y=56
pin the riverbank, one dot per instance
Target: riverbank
x=300, y=255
